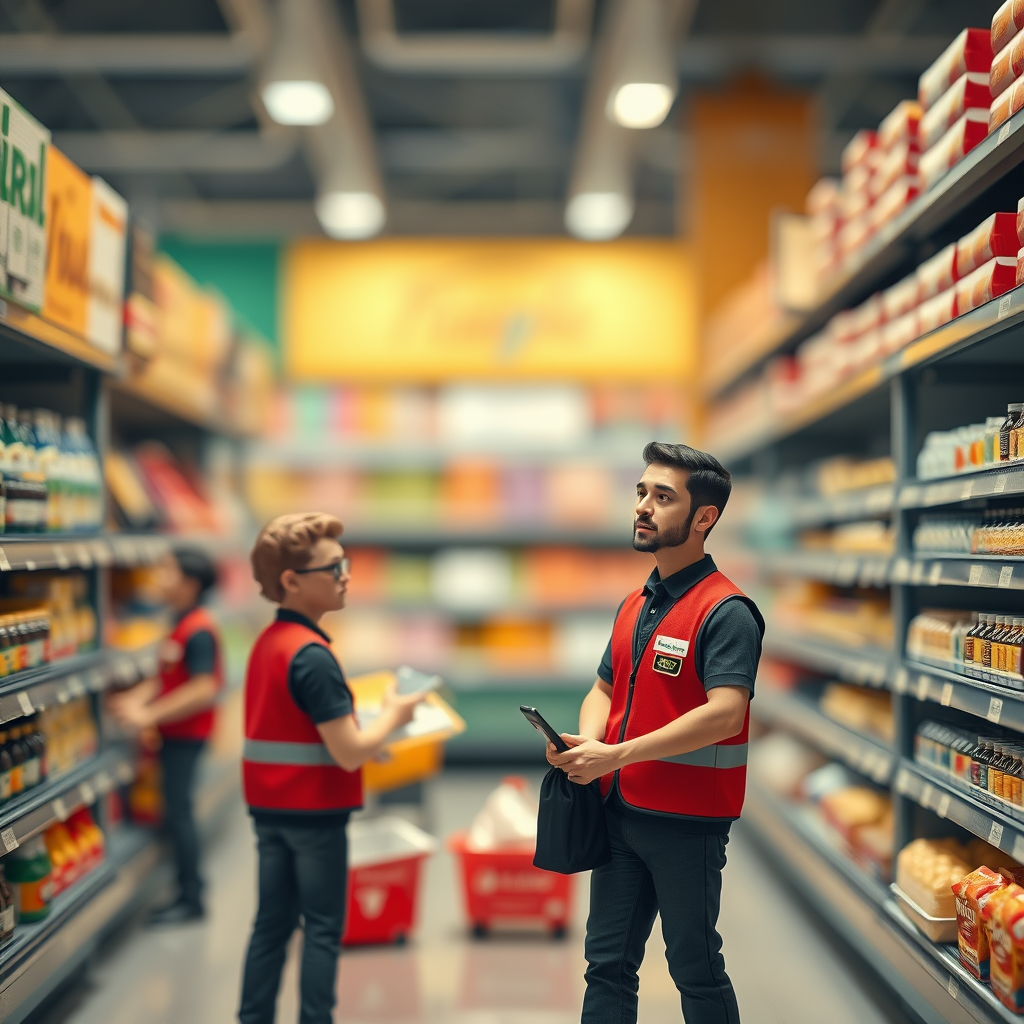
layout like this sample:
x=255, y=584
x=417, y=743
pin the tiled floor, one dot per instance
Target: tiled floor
x=784, y=970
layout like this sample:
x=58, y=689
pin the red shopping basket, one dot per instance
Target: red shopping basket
x=503, y=887
x=385, y=862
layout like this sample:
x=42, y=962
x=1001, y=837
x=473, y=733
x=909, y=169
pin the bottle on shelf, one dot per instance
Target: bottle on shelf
x=30, y=872
x=19, y=755
x=32, y=770
x=1013, y=411
x=6, y=769
x=8, y=909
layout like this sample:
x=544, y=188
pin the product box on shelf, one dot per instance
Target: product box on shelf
x=971, y=50
x=989, y=281
x=968, y=92
x=1004, y=917
x=958, y=141
x=1007, y=65
x=857, y=151
x=1006, y=23
x=994, y=236
x=937, y=273
x=1006, y=105
x=900, y=127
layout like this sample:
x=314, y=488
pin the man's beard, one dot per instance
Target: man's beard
x=670, y=538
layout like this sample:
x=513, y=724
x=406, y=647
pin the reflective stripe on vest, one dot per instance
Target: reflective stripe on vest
x=273, y=752
x=718, y=755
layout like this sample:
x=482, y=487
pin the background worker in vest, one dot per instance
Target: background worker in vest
x=180, y=705
x=302, y=764
x=665, y=729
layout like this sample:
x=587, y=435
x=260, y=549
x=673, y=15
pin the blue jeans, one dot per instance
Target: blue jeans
x=178, y=760
x=656, y=866
x=303, y=872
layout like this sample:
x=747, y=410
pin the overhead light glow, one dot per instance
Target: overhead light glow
x=642, y=104
x=598, y=216
x=298, y=101
x=350, y=215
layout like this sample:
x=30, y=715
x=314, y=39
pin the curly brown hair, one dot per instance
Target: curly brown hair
x=287, y=542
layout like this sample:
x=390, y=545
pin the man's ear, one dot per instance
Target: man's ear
x=707, y=516
x=289, y=581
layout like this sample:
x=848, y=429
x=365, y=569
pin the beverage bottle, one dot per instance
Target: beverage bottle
x=88, y=475
x=6, y=769
x=1016, y=439
x=1014, y=649
x=31, y=770
x=7, y=908
x=1013, y=411
x=37, y=743
x=32, y=479
x=983, y=645
x=19, y=755
x=972, y=632
x=30, y=872
x=47, y=459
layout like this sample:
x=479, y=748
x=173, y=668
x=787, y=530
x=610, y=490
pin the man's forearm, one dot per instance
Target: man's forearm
x=594, y=713
x=198, y=694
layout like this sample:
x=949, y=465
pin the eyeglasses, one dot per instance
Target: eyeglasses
x=336, y=569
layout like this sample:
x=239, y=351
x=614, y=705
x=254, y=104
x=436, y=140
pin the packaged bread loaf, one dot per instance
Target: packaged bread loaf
x=996, y=235
x=926, y=870
x=1004, y=919
x=968, y=92
x=853, y=806
x=1006, y=23
x=972, y=892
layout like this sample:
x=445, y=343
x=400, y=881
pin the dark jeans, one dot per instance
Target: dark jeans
x=657, y=867
x=178, y=759
x=303, y=871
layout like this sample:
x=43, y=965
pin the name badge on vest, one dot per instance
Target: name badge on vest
x=671, y=646
x=667, y=665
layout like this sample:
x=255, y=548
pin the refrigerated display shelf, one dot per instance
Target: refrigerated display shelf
x=992, y=320
x=985, y=482
x=802, y=717
x=60, y=681
x=55, y=799
x=941, y=795
x=997, y=704
x=895, y=245
x=31, y=552
x=818, y=510
x=863, y=665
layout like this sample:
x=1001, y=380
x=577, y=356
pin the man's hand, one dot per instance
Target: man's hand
x=131, y=710
x=400, y=708
x=586, y=760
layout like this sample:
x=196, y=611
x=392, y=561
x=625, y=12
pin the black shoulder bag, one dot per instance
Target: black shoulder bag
x=571, y=831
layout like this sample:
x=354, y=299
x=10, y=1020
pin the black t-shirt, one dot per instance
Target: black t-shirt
x=200, y=653
x=318, y=687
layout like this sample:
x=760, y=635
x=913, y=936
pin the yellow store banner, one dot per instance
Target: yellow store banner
x=68, y=226
x=433, y=310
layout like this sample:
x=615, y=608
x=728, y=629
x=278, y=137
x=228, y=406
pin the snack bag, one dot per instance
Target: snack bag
x=972, y=892
x=1003, y=914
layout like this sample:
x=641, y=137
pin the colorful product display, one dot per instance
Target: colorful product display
x=977, y=644
x=70, y=735
x=812, y=608
x=24, y=763
x=995, y=532
x=1000, y=439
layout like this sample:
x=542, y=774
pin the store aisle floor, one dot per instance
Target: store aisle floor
x=784, y=970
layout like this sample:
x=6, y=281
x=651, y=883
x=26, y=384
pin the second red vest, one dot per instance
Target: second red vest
x=285, y=765
x=174, y=673
x=705, y=783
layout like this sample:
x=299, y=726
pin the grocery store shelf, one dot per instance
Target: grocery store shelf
x=60, y=681
x=796, y=714
x=842, y=570
x=936, y=793
x=31, y=552
x=432, y=535
x=771, y=338
x=850, y=505
x=992, y=320
x=137, y=401
x=25, y=338
x=860, y=909
x=866, y=666
x=1002, y=572
x=53, y=800
x=997, y=704
x=995, y=481
x=895, y=246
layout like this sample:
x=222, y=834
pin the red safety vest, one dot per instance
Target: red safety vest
x=174, y=673
x=705, y=783
x=285, y=765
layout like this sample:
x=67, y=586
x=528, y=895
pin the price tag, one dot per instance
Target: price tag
x=927, y=795
x=947, y=695
x=1004, y=133
x=953, y=987
x=975, y=577
x=9, y=839
x=999, y=484
x=76, y=687
x=60, y=557
x=910, y=496
x=59, y=810
x=25, y=703
x=923, y=683
x=1004, y=306
x=30, y=565
x=899, y=684
x=904, y=782
x=104, y=784
x=5, y=566
x=87, y=793
x=995, y=709
x=901, y=570
x=1018, y=847
x=1006, y=575
x=84, y=556
x=995, y=833
x=935, y=574
x=942, y=807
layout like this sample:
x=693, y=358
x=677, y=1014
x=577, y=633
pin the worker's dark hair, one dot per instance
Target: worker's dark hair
x=709, y=482
x=197, y=565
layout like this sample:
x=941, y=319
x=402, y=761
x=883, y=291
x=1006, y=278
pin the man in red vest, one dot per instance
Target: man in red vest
x=665, y=730
x=302, y=764
x=180, y=705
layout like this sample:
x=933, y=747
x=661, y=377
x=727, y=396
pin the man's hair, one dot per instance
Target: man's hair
x=709, y=482
x=197, y=565
x=287, y=542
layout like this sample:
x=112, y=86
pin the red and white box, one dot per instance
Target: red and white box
x=857, y=150
x=970, y=51
x=854, y=199
x=937, y=273
x=823, y=197
x=853, y=235
x=1007, y=65
x=900, y=126
x=994, y=236
x=1020, y=221
x=896, y=198
x=1020, y=266
x=968, y=92
x=1006, y=23
x=899, y=162
x=899, y=333
x=968, y=131
x=1006, y=105
x=900, y=298
x=986, y=283
x=935, y=312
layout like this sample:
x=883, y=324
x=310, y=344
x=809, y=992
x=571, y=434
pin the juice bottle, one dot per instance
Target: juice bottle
x=37, y=743
x=31, y=771
x=19, y=755
x=30, y=872
x=972, y=632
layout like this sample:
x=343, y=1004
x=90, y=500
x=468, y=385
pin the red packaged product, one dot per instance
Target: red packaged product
x=994, y=236
x=854, y=199
x=901, y=297
x=857, y=149
x=937, y=273
x=968, y=92
x=900, y=332
x=854, y=234
x=867, y=316
x=986, y=283
x=953, y=146
x=1007, y=65
x=972, y=892
x=1003, y=914
x=901, y=161
x=1006, y=23
x=1006, y=105
x=1020, y=266
x=900, y=125
x=896, y=198
x=823, y=197
x=970, y=51
x=1020, y=221
x=937, y=311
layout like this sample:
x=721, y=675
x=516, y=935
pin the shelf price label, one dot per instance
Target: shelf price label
x=901, y=682
x=999, y=484
x=1006, y=576
x=947, y=694
x=923, y=683
x=995, y=709
x=5, y=566
x=1018, y=847
x=935, y=574
x=942, y=807
x=25, y=703
x=953, y=987
x=927, y=795
x=1004, y=134
x=76, y=687
x=995, y=834
x=975, y=576
x=9, y=839
x=87, y=793
x=60, y=811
